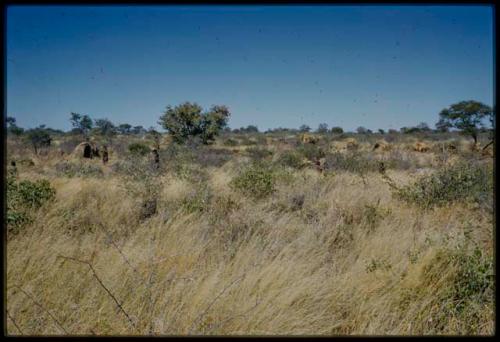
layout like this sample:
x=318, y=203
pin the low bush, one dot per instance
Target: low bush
x=197, y=200
x=352, y=162
x=82, y=169
x=205, y=157
x=139, y=149
x=257, y=181
x=311, y=152
x=23, y=198
x=230, y=142
x=291, y=159
x=461, y=182
x=257, y=153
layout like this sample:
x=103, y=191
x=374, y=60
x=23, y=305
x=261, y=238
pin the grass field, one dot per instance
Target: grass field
x=250, y=237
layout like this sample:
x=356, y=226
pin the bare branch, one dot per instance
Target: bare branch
x=102, y=285
x=42, y=307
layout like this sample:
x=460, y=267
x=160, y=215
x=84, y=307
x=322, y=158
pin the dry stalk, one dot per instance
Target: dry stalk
x=103, y=286
x=42, y=307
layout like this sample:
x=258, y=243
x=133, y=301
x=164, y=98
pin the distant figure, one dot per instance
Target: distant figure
x=381, y=167
x=318, y=165
x=105, y=154
x=156, y=158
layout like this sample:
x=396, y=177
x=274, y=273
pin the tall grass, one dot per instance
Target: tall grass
x=305, y=254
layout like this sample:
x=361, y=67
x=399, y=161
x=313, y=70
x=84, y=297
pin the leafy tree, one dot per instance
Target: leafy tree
x=467, y=116
x=322, y=128
x=138, y=130
x=105, y=128
x=423, y=127
x=81, y=123
x=361, y=130
x=125, y=128
x=213, y=122
x=249, y=129
x=443, y=125
x=12, y=127
x=381, y=131
x=392, y=131
x=39, y=137
x=337, y=130
x=304, y=128
x=187, y=120
x=405, y=130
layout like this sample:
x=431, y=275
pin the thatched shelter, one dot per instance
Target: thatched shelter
x=85, y=150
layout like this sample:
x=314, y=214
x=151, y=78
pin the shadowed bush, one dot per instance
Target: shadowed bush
x=462, y=182
x=139, y=149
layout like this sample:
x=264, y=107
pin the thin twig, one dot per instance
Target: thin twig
x=103, y=286
x=485, y=147
x=42, y=307
x=13, y=321
x=200, y=316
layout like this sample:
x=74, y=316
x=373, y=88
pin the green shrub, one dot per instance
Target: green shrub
x=311, y=152
x=461, y=182
x=257, y=153
x=23, y=198
x=230, y=142
x=197, y=201
x=291, y=159
x=354, y=162
x=69, y=169
x=257, y=181
x=471, y=292
x=139, y=149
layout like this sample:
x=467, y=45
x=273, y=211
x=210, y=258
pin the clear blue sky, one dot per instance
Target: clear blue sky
x=372, y=66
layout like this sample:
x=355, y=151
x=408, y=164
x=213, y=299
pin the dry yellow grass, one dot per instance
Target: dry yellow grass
x=331, y=268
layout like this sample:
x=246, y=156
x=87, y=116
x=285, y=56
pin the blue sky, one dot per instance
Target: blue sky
x=349, y=66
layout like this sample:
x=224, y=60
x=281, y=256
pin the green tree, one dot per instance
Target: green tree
x=39, y=137
x=105, y=128
x=423, y=127
x=138, y=130
x=467, y=116
x=337, y=130
x=381, y=131
x=322, y=128
x=12, y=127
x=213, y=122
x=125, y=128
x=304, y=128
x=187, y=120
x=81, y=123
x=361, y=130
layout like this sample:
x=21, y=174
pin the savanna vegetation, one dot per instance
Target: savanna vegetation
x=205, y=230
